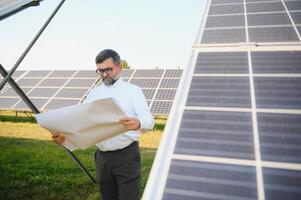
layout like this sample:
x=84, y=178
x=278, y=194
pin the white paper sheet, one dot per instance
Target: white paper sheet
x=85, y=124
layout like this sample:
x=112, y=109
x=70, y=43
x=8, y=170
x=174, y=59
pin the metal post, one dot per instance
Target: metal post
x=6, y=78
x=34, y=109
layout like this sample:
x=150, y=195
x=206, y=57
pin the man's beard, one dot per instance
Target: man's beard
x=109, y=81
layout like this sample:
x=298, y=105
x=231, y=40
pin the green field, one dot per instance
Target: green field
x=33, y=167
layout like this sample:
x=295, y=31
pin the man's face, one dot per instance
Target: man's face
x=109, y=71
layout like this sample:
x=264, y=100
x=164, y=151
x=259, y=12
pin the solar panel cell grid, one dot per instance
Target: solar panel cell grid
x=127, y=73
x=225, y=21
x=224, y=35
x=226, y=9
x=173, y=73
x=37, y=73
x=52, y=82
x=225, y=1
x=42, y=92
x=6, y=103
x=280, y=138
x=28, y=82
x=161, y=107
x=149, y=93
x=276, y=62
x=254, y=1
x=59, y=103
x=282, y=184
x=62, y=73
x=164, y=94
x=222, y=62
x=145, y=83
x=80, y=83
x=200, y=180
x=169, y=83
x=148, y=73
x=39, y=103
x=71, y=93
x=296, y=17
x=219, y=92
x=221, y=134
x=268, y=19
x=86, y=74
x=270, y=34
x=278, y=93
x=265, y=7
x=11, y=93
x=293, y=5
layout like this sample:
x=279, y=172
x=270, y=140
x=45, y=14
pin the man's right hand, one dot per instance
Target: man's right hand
x=58, y=138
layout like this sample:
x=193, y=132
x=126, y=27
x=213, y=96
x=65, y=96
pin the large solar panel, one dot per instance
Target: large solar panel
x=58, y=88
x=234, y=129
x=8, y=7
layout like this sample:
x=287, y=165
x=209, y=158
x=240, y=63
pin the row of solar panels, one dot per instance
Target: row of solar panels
x=255, y=21
x=234, y=130
x=55, y=89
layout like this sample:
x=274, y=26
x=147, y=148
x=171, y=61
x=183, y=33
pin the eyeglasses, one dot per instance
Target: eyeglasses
x=107, y=70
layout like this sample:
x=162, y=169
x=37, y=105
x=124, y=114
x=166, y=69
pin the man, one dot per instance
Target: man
x=118, y=158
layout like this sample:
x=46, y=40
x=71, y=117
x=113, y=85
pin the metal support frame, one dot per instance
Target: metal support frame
x=8, y=78
x=34, y=109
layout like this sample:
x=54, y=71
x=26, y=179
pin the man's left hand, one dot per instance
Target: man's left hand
x=130, y=123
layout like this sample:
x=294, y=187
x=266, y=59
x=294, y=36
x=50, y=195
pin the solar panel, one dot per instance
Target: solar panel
x=71, y=93
x=265, y=7
x=37, y=102
x=222, y=62
x=28, y=82
x=80, y=83
x=66, y=87
x=62, y=73
x=161, y=107
x=169, y=83
x=271, y=34
x=52, y=82
x=11, y=93
x=59, y=103
x=173, y=73
x=164, y=94
x=86, y=74
x=127, y=73
x=6, y=103
x=148, y=73
x=145, y=83
x=276, y=62
x=149, y=93
x=37, y=73
x=42, y=92
x=293, y=5
x=234, y=129
x=8, y=7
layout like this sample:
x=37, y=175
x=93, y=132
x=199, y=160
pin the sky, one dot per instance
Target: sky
x=147, y=34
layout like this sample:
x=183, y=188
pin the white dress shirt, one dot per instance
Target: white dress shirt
x=132, y=101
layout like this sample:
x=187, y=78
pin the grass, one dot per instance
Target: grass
x=33, y=167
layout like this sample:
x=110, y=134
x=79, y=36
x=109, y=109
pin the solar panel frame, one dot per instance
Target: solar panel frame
x=11, y=6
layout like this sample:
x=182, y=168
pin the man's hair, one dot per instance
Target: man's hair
x=107, y=53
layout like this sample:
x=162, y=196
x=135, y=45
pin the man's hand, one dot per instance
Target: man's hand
x=130, y=123
x=58, y=138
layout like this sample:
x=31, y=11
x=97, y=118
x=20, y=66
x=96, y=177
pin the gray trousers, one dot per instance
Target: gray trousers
x=118, y=173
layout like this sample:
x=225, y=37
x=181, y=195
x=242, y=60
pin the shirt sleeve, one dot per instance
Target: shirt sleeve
x=142, y=111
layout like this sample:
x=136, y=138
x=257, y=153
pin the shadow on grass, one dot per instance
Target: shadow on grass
x=16, y=118
x=35, y=169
